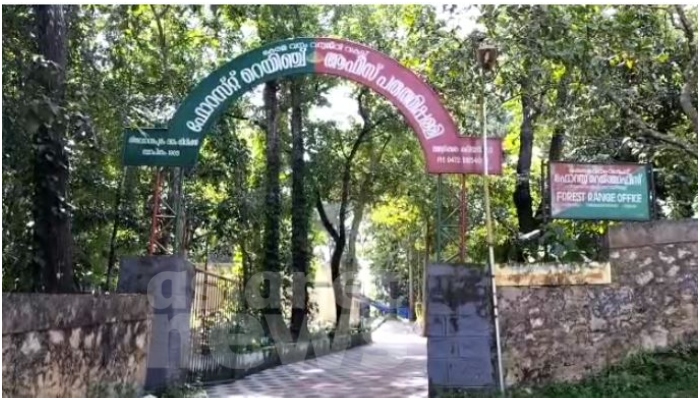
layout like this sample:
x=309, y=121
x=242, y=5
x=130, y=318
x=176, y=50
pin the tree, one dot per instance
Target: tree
x=587, y=94
x=18, y=47
x=339, y=233
x=53, y=261
x=300, y=217
x=575, y=83
x=271, y=260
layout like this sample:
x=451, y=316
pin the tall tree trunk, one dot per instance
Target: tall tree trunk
x=53, y=261
x=363, y=197
x=350, y=257
x=350, y=262
x=527, y=220
x=245, y=257
x=556, y=144
x=522, y=196
x=339, y=240
x=273, y=209
x=358, y=210
x=341, y=314
x=300, y=220
x=336, y=255
x=116, y=217
x=339, y=235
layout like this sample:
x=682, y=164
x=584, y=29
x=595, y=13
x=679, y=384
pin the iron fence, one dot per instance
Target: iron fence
x=217, y=308
x=226, y=334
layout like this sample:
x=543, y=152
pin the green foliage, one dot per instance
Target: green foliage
x=610, y=80
x=671, y=373
x=665, y=374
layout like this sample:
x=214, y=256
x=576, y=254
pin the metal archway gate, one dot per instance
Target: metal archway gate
x=177, y=146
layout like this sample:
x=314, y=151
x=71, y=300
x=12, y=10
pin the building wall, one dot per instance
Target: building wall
x=566, y=332
x=73, y=345
x=322, y=294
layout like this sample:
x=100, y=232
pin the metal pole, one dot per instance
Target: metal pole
x=205, y=285
x=652, y=191
x=424, y=294
x=438, y=222
x=179, y=212
x=463, y=220
x=543, y=195
x=489, y=230
x=410, y=283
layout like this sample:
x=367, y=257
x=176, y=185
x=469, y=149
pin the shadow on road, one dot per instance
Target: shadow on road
x=393, y=366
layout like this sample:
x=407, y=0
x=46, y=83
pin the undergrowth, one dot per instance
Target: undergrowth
x=669, y=373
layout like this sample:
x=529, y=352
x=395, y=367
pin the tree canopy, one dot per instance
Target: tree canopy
x=282, y=173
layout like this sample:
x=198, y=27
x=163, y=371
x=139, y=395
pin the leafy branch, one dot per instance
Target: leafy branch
x=648, y=131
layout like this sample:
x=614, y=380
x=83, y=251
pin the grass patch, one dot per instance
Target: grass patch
x=187, y=390
x=668, y=373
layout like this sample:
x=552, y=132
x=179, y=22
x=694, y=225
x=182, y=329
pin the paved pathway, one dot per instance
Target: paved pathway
x=393, y=366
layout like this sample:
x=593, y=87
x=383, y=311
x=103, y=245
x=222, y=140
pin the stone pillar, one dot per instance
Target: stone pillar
x=169, y=283
x=460, y=329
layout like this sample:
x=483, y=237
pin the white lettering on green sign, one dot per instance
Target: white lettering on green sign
x=228, y=85
x=157, y=142
x=599, y=179
x=597, y=197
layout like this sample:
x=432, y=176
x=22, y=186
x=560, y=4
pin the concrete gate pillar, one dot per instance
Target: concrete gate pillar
x=460, y=329
x=169, y=283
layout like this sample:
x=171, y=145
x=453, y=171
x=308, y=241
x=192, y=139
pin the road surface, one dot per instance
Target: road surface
x=393, y=366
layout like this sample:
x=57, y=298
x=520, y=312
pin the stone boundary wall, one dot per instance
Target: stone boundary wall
x=557, y=333
x=77, y=345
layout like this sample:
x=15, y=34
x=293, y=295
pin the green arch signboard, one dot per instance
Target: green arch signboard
x=445, y=150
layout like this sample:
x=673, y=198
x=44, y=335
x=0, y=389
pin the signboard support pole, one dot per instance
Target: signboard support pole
x=411, y=304
x=450, y=220
x=438, y=221
x=424, y=291
x=163, y=215
x=652, y=190
x=544, y=195
x=463, y=220
x=489, y=232
x=179, y=217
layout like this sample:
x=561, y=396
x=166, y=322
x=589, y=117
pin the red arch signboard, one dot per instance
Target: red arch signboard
x=444, y=149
